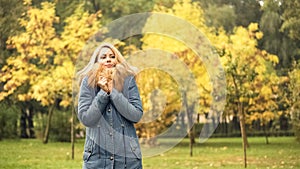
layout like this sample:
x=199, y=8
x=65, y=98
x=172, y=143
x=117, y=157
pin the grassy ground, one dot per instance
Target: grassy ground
x=282, y=152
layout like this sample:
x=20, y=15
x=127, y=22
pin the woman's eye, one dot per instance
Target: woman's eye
x=112, y=56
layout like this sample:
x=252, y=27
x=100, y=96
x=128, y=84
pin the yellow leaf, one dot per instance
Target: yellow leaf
x=259, y=35
x=253, y=27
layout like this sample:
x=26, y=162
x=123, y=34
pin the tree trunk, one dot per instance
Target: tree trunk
x=30, y=122
x=243, y=132
x=191, y=137
x=242, y=121
x=23, y=123
x=189, y=115
x=266, y=134
x=226, y=125
x=46, y=134
x=191, y=144
x=72, y=133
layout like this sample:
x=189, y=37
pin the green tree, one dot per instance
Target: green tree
x=274, y=40
x=10, y=11
x=112, y=10
x=246, y=11
x=294, y=87
x=220, y=16
x=8, y=121
x=291, y=17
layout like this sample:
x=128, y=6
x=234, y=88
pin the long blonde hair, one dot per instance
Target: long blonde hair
x=122, y=69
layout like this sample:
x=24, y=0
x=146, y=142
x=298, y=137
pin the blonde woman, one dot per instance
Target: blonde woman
x=109, y=104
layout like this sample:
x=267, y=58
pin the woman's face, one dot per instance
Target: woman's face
x=107, y=58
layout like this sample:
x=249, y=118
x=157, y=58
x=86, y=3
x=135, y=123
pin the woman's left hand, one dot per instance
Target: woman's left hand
x=110, y=86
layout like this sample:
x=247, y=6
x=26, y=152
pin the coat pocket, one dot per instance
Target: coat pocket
x=135, y=148
x=87, y=155
x=88, y=150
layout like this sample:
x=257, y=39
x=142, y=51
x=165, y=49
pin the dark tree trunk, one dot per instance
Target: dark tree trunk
x=190, y=127
x=48, y=125
x=23, y=124
x=26, y=122
x=30, y=123
x=266, y=134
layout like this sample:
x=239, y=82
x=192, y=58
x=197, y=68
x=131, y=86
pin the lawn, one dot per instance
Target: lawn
x=282, y=152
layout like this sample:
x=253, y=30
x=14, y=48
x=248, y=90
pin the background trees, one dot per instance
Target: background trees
x=276, y=41
x=10, y=11
x=41, y=41
x=191, y=12
x=43, y=65
x=291, y=15
x=294, y=87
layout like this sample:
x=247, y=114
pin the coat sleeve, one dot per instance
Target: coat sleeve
x=90, y=107
x=130, y=108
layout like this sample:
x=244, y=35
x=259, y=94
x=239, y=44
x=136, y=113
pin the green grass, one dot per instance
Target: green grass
x=282, y=152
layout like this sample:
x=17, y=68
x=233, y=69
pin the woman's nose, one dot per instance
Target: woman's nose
x=108, y=59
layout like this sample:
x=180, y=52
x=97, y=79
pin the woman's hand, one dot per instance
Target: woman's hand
x=109, y=86
x=103, y=84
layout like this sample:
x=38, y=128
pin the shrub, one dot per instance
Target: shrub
x=8, y=121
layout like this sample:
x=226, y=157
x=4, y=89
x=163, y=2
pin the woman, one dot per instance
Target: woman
x=109, y=109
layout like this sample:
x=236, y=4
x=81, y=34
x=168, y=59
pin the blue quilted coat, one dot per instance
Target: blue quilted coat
x=111, y=141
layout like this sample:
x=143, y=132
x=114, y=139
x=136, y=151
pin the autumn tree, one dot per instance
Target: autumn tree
x=294, y=88
x=250, y=77
x=160, y=95
x=21, y=67
x=43, y=67
x=180, y=44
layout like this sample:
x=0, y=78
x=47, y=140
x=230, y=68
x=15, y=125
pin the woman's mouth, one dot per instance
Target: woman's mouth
x=109, y=65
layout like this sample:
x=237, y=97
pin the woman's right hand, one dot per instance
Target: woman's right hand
x=102, y=83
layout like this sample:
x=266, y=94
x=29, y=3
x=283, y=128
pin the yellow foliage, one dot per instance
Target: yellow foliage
x=79, y=28
x=184, y=9
x=192, y=13
x=260, y=69
x=266, y=91
x=65, y=103
x=253, y=27
x=189, y=11
x=38, y=46
x=243, y=99
x=268, y=116
x=24, y=97
x=264, y=117
x=161, y=101
x=249, y=73
x=259, y=35
x=273, y=58
x=255, y=116
x=27, y=2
